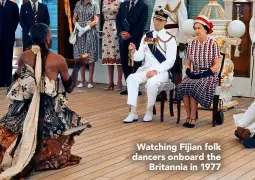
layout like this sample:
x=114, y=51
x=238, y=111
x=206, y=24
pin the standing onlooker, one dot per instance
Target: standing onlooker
x=131, y=20
x=110, y=45
x=85, y=19
x=9, y=19
x=31, y=13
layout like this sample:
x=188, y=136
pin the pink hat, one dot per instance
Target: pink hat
x=205, y=21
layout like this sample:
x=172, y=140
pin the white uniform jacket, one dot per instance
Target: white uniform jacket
x=151, y=63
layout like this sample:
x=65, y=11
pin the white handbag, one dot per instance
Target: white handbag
x=72, y=38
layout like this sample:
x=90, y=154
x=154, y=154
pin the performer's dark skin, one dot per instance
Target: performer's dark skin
x=54, y=64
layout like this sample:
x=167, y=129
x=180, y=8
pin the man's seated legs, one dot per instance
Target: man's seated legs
x=152, y=86
x=133, y=82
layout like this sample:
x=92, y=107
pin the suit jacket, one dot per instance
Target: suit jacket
x=9, y=19
x=27, y=18
x=136, y=18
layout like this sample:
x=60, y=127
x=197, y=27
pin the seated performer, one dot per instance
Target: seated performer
x=245, y=123
x=37, y=131
x=159, y=50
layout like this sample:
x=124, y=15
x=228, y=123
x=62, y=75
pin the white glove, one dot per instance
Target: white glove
x=83, y=30
x=77, y=25
x=182, y=54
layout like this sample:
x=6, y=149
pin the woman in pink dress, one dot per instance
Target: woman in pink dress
x=110, y=49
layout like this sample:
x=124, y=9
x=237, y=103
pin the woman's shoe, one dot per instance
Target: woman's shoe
x=186, y=123
x=90, y=86
x=82, y=84
x=117, y=88
x=190, y=125
x=110, y=87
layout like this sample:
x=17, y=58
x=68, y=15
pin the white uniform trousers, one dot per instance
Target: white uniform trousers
x=246, y=120
x=152, y=85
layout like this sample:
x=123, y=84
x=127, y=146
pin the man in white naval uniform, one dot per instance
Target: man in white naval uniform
x=178, y=15
x=158, y=47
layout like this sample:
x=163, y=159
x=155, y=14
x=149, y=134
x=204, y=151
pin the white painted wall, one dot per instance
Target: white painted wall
x=101, y=74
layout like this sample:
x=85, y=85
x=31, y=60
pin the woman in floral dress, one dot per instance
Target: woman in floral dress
x=85, y=19
x=110, y=45
x=199, y=85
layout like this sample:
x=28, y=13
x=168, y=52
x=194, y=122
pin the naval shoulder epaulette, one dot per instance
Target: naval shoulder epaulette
x=169, y=33
x=165, y=41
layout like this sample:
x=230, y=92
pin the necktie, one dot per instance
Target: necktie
x=2, y=3
x=35, y=11
x=132, y=4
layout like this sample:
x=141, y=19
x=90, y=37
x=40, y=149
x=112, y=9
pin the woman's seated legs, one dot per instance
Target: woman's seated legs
x=186, y=101
x=190, y=104
x=193, y=112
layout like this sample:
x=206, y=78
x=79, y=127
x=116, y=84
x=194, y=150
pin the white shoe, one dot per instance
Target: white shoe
x=90, y=86
x=148, y=116
x=131, y=118
x=81, y=85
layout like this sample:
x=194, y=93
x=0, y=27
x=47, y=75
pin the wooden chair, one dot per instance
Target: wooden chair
x=162, y=91
x=216, y=98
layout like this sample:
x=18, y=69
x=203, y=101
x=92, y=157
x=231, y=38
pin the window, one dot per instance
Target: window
x=53, y=11
x=150, y=4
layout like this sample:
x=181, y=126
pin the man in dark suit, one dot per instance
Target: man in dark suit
x=31, y=13
x=130, y=21
x=9, y=19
